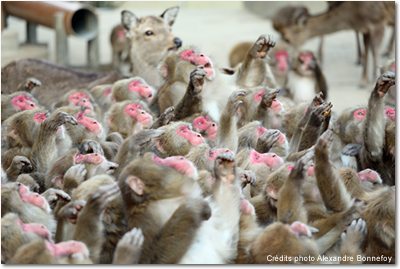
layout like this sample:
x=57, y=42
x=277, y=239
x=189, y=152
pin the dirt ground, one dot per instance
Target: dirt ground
x=215, y=27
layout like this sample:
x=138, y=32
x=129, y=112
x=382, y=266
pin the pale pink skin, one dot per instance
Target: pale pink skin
x=258, y=96
x=204, y=123
x=22, y=102
x=178, y=163
x=282, y=57
x=93, y=158
x=212, y=154
x=68, y=248
x=359, y=115
x=121, y=35
x=107, y=92
x=297, y=228
x=31, y=197
x=35, y=228
x=92, y=125
x=194, y=138
x=144, y=90
x=390, y=113
x=369, y=175
x=246, y=207
x=270, y=159
x=81, y=99
x=136, y=111
x=260, y=130
x=276, y=106
x=39, y=117
x=306, y=57
x=198, y=59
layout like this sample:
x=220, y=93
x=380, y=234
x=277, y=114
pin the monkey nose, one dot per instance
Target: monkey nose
x=273, y=156
x=32, y=105
x=84, y=100
x=177, y=43
x=198, y=135
x=213, y=125
x=142, y=112
x=202, y=55
x=181, y=158
x=227, y=150
x=96, y=155
x=150, y=95
x=94, y=122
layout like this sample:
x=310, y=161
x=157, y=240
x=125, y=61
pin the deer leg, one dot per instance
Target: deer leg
x=359, y=53
x=321, y=44
x=376, y=41
x=366, y=39
x=391, y=43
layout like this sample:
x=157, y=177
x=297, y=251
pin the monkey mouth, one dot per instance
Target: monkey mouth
x=207, y=65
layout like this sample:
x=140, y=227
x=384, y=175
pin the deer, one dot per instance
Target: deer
x=368, y=18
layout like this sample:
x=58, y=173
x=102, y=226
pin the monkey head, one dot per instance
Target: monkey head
x=306, y=64
x=250, y=159
x=204, y=125
x=93, y=158
x=282, y=61
x=390, y=113
x=349, y=125
x=134, y=88
x=284, y=240
x=358, y=183
x=23, y=101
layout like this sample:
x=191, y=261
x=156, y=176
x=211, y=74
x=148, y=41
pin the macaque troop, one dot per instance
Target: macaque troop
x=187, y=162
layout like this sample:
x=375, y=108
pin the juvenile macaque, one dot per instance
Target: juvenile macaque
x=132, y=89
x=16, y=102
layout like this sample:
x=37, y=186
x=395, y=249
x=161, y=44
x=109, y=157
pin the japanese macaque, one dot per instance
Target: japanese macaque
x=177, y=69
x=132, y=89
x=128, y=117
x=19, y=165
x=99, y=199
x=16, y=102
x=80, y=98
x=151, y=185
x=372, y=153
x=120, y=46
x=305, y=79
x=249, y=159
x=150, y=41
x=390, y=65
x=102, y=95
x=353, y=241
x=203, y=124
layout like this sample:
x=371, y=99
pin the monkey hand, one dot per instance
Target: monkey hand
x=61, y=118
x=385, y=81
x=234, y=101
x=53, y=195
x=91, y=146
x=352, y=213
x=145, y=136
x=75, y=173
x=22, y=164
x=224, y=168
x=31, y=83
x=324, y=142
x=269, y=96
x=70, y=211
x=105, y=168
x=164, y=118
x=197, y=79
x=262, y=45
x=356, y=234
x=200, y=208
x=99, y=200
x=28, y=181
x=351, y=150
x=247, y=177
x=319, y=114
x=300, y=167
x=129, y=247
x=318, y=100
x=267, y=140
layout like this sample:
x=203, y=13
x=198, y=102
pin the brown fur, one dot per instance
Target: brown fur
x=6, y=108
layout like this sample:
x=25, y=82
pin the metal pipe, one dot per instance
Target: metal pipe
x=80, y=20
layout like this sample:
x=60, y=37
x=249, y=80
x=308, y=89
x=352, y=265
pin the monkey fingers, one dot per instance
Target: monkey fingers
x=70, y=210
x=105, y=168
x=61, y=118
x=269, y=96
x=91, y=146
x=165, y=118
x=318, y=100
x=197, y=78
x=76, y=172
x=385, y=81
x=351, y=150
x=199, y=207
x=233, y=101
x=146, y=135
x=325, y=141
x=267, y=140
x=247, y=177
x=301, y=166
x=129, y=247
x=355, y=234
x=52, y=195
x=22, y=164
x=99, y=200
x=224, y=168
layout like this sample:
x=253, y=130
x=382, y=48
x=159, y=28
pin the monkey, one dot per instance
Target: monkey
x=16, y=102
x=29, y=85
x=128, y=117
x=353, y=242
x=176, y=66
x=121, y=46
x=374, y=131
x=390, y=65
x=19, y=165
x=81, y=98
x=203, y=124
x=249, y=159
x=132, y=89
x=305, y=78
x=102, y=96
x=129, y=247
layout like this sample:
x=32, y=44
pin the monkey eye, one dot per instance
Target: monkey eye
x=182, y=131
x=261, y=132
x=256, y=157
x=40, y=117
x=75, y=97
x=139, y=107
x=79, y=118
x=18, y=101
x=149, y=32
x=187, y=55
x=130, y=109
x=360, y=113
x=211, y=154
x=200, y=122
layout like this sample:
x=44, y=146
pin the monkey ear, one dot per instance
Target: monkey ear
x=136, y=184
x=163, y=69
x=386, y=232
x=170, y=14
x=128, y=21
x=14, y=134
x=109, y=120
x=227, y=70
x=159, y=145
x=59, y=182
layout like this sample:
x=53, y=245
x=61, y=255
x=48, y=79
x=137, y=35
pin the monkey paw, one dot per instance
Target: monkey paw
x=319, y=114
x=61, y=118
x=200, y=208
x=129, y=247
x=70, y=210
x=356, y=233
x=234, y=101
x=262, y=45
x=247, y=177
x=31, y=83
x=325, y=141
x=53, y=195
x=197, y=78
x=318, y=100
x=301, y=166
x=269, y=96
x=145, y=136
x=91, y=146
x=385, y=81
x=224, y=167
x=22, y=164
x=99, y=200
x=267, y=140
x=76, y=172
x=164, y=118
x=351, y=150
x=105, y=168
x=28, y=181
x=353, y=212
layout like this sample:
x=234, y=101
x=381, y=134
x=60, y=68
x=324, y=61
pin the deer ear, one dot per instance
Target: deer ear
x=170, y=14
x=128, y=21
x=136, y=184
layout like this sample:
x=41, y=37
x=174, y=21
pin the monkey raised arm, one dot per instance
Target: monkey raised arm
x=129, y=247
x=164, y=118
x=353, y=241
x=227, y=136
x=191, y=101
x=262, y=113
x=29, y=85
x=267, y=140
x=321, y=82
x=252, y=70
x=290, y=199
x=89, y=226
x=19, y=165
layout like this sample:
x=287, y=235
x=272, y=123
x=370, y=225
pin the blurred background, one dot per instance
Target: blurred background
x=214, y=27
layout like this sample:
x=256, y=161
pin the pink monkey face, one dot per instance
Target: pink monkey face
x=359, y=114
x=178, y=163
x=276, y=106
x=260, y=130
x=270, y=159
x=35, y=228
x=369, y=175
x=193, y=138
x=94, y=158
x=107, y=92
x=70, y=248
x=198, y=59
x=39, y=117
x=390, y=113
x=259, y=95
x=282, y=57
x=212, y=154
x=143, y=90
x=22, y=102
x=31, y=197
x=92, y=125
x=306, y=58
x=204, y=123
x=136, y=111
